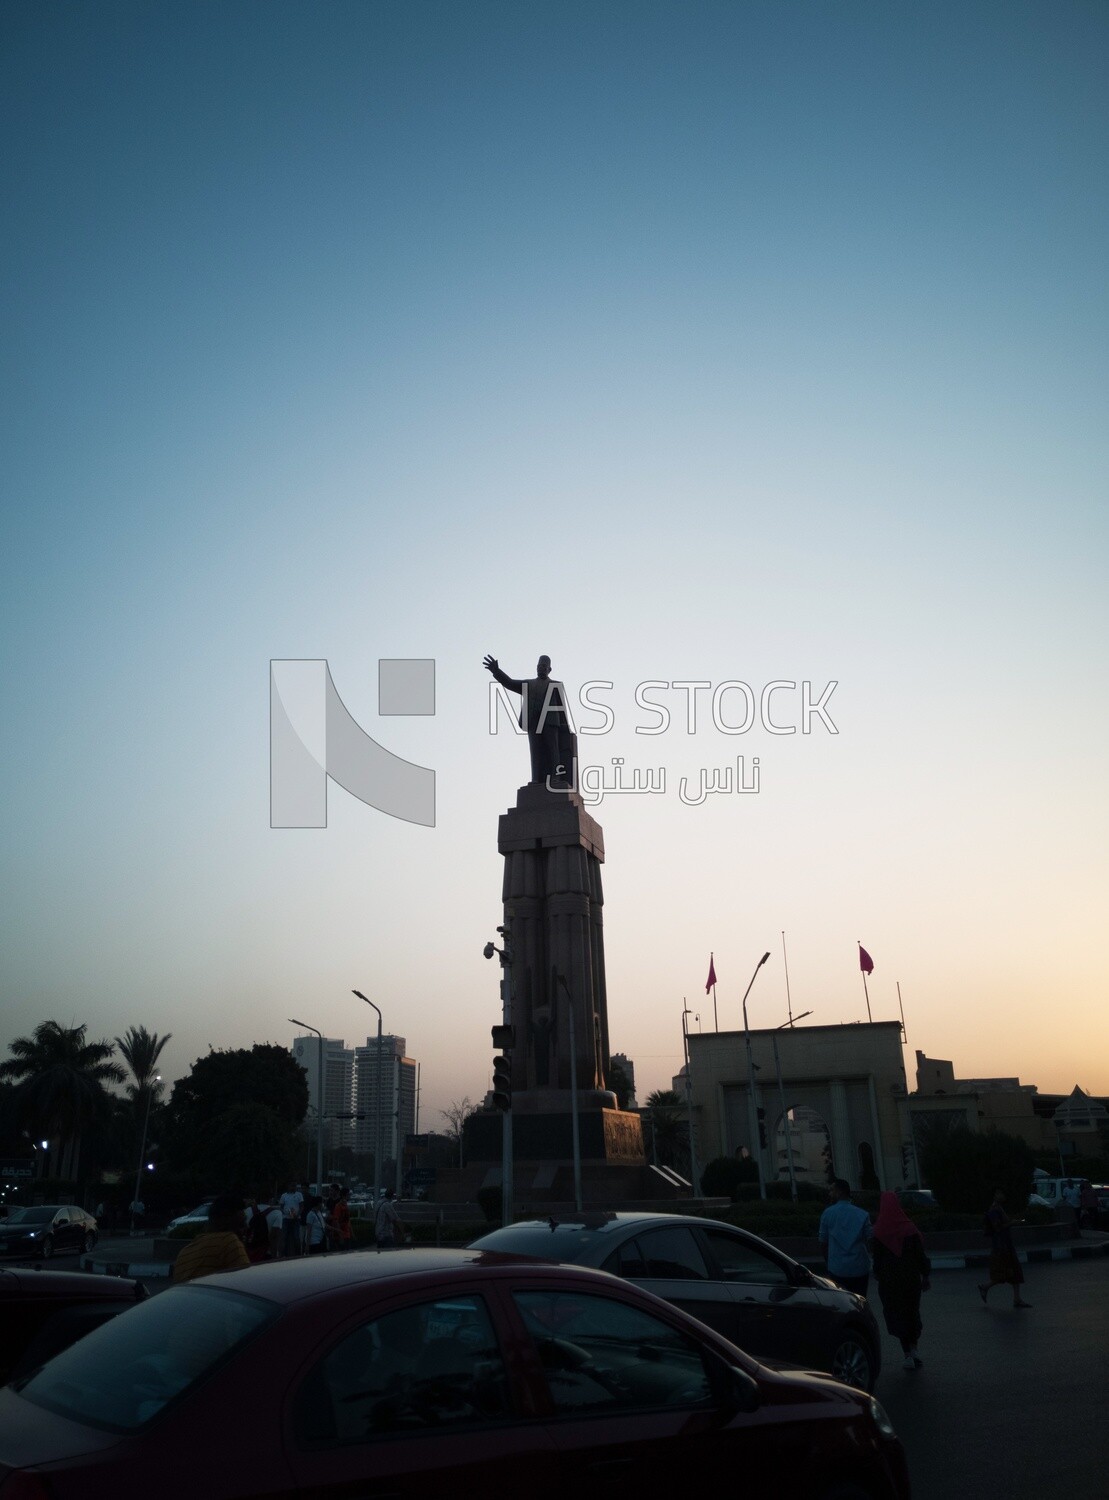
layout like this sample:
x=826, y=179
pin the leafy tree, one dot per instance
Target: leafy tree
x=667, y=1129
x=620, y=1084
x=249, y=1148
x=964, y=1167
x=60, y=1087
x=265, y=1076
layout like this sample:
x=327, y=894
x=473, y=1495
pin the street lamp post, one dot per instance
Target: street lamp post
x=377, y=1106
x=142, y=1148
x=782, y=1106
x=752, y=1106
x=689, y=1104
x=319, y=1103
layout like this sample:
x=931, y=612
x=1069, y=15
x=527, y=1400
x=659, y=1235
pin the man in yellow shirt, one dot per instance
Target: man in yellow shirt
x=219, y=1247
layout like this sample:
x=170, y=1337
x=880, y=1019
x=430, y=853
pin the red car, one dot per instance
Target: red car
x=426, y=1373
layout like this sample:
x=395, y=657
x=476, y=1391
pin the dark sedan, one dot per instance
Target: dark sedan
x=753, y=1294
x=42, y=1312
x=424, y=1373
x=46, y=1230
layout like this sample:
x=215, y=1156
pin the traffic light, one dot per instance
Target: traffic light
x=762, y=1125
x=502, y=1083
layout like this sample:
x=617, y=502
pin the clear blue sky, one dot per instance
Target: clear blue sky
x=676, y=341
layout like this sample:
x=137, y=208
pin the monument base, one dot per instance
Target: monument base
x=614, y=1136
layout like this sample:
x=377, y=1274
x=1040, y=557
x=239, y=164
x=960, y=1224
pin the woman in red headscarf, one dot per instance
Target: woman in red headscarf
x=902, y=1270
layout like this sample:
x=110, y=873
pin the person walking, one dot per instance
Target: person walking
x=844, y=1234
x=901, y=1269
x=388, y=1229
x=1005, y=1267
x=1072, y=1197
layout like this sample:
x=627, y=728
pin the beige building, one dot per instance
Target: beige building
x=842, y=1103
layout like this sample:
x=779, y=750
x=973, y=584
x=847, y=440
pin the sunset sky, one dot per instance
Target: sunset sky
x=677, y=341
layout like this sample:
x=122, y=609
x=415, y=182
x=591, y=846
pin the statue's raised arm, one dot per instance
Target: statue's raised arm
x=491, y=664
x=544, y=714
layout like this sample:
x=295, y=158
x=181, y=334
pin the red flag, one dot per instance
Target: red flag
x=711, y=980
x=866, y=963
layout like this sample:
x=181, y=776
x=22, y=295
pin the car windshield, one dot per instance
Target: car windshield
x=120, y=1376
x=31, y=1215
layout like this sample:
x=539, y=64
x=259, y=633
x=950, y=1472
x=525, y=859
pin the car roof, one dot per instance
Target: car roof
x=287, y=1281
x=19, y=1282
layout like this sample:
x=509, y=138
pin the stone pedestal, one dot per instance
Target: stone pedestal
x=553, y=917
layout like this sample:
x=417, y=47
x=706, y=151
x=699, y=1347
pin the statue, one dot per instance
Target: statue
x=543, y=713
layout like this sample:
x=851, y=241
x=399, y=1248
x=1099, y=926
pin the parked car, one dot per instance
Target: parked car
x=917, y=1198
x=750, y=1292
x=42, y=1312
x=424, y=1373
x=47, y=1229
x=198, y=1215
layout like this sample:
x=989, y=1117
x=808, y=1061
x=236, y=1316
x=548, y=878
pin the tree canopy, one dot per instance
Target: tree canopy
x=60, y=1083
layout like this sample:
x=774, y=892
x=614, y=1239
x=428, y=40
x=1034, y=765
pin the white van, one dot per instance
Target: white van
x=1049, y=1190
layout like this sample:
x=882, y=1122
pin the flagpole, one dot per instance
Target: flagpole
x=712, y=970
x=901, y=1008
x=785, y=961
x=866, y=992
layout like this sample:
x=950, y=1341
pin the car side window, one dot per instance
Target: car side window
x=602, y=1355
x=428, y=1365
x=741, y=1261
x=627, y=1261
x=673, y=1255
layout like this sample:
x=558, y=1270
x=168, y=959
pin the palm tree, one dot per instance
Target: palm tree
x=140, y=1050
x=60, y=1082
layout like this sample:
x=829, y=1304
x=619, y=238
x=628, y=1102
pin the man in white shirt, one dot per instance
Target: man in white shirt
x=290, y=1203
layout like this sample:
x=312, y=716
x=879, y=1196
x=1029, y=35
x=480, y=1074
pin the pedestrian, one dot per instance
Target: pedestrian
x=1088, y=1205
x=1005, y=1267
x=1072, y=1197
x=290, y=1203
x=340, y=1221
x=388, y=1229
x=137, y=1210
x=901, y=1269
x=844, y=1234
x=315, y=1227
x=219, y=1247
x=257, y=1237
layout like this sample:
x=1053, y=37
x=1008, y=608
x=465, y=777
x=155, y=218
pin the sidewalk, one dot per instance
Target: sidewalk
x=151, y=1256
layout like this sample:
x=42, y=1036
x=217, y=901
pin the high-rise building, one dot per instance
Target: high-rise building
x=397, y=1099
x=338, y=1086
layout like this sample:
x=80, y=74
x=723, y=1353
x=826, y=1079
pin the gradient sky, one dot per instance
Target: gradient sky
x=676, y=341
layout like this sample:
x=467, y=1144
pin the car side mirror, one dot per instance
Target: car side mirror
x=733, y=1388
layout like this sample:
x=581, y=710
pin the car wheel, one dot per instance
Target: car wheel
x=90, y=1241
x=48, y=1247
x=853, y=1362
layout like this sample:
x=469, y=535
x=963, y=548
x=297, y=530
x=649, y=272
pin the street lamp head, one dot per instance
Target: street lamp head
x=489, y=950
x=360, y=995
x=763, y=959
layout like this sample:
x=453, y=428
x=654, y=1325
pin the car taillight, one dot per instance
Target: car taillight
x=24, y=1484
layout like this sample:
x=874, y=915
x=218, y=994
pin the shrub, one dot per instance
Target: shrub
x=964, y=1168
x=725, y=1174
